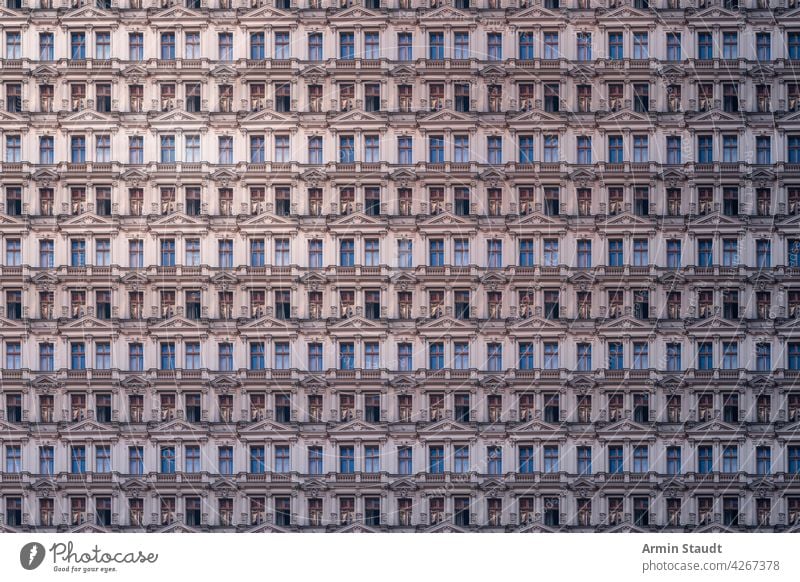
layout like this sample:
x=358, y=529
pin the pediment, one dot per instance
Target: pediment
x=403, y=175
x=225, y=278
x=762, y=174
x=87, y=219
x=624, y=528
x=11, y=323
x=266, y=321
x=535, y=527
x=624, y=14
x=583, y=485
x=176, y=425
x=624, y=322
x=134, y=484
x=761, y=279
x=44, y=485
x=134, y=278
x=356, y=527
x=714, y=219
x=672, y=383
x=714, y=425
x=44, y=71
x=403, y=485
x=446, y=13
x=535, y=426
x=222, y=484
x=314, y=278
x=788, y=325
x=403, y=382
x=358, y=218
x=45, y=175
x=535, y=218
x=712, y=323
x=672, y=175
x=135, y=177
x=403, y=71
x=761, y=383
x=266, y=426
x=626, y=219
x=582, y=176
x=267, y=116
x=314, y=381
x=762, y=486
x=45, y=278
x=493, y=382
x=492, y=486
x=177, y=116
x=177, y=13
x=492, y=71
x=87, y=12
x=177, y=322
x=88, y=425
x=314, y=72
x=12, y=117
x=623, y=426
x=87, y=322
x=790, y=430
x=356, y=322
x=177, y=527
x=672, y=278
x=536, y=13
x=44, y=383
x=134, y=382
x=494, y=278
x=7, y=428
x=761, y=71
x=134, y=72
x=89, y=527
x=355, y=13
x=582, y=383
x=266, y=13
x=672, y=72
x=224, y=176
x=492, y=175
x=314, y=485
x=715, y=115
x=355, y=426
x=225, y=382
x=445, y=426
x=443, y=323
x=713, y=528
x=224, y=72
x=88, y=116
x=581, y=278
x=446, y=527
x=447, y=115
x=534, y=323
x=314, y=176
x=582, y=72
x=444, y=218
x=357, y=115
x=266, y=528
x=714, y=14
x=176, y=218
x=627, y=116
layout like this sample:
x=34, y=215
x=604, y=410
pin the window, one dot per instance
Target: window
x=615, y=46
x=315, y=51
x=705, y=46
x=551, y=46
x=584, y=43
x=730, y=45
x=674, y=46
x=347, y=49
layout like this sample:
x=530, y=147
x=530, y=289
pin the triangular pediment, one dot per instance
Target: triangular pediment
x=134, y=278
x=222, y=484
x=403, y=278
x=625, y=425
x=403, y=175
x=713, y=528
x=403, y=383
x=761, y=71
x=178, y=426
x=582, y=72
x=444, y=218
x=789, y=117
x=494, y=278
x=492, y=486
x=446, y=527
x=672, y=72
x=224, y=72
x=12, y=117
x=177, y=322
x=44, y=485
x=535, y=527
x=89, y=527
x=403, y=71
x=135, y=176
x=789, y=325
x=791, y=429
x=88, y=425
x=493, y=382
x=443, y=323
x=358, y=13
x=446, y=13
x=712, y=323
x=43, y=383
x=134, y=383
x=624, y=322
x=358, y=218
x=355, y=426
x=134, y=72
x=314, y=72
x=7, y=429
x=224, y=175
x=624, y=528
x=88, y=116
x=535, y=425
x=582, y=278
x=358, y=115
x=267, y=322
x=176, y=218
x=761, y=279
x=714, y=219
x=716, y=116
x=625, y=219
x=45, y=278
x=715, y=425
x=134, y=484
x=314, y=485
x=87, y=322
x=267, y=115
x=225, y=278
x=314, y=278
x=266, y=528
x=492, y=71
x=177, y=13
x=177, y=527
x=448, y=115
x=356, y=322
x=445, y=426
x=403, y=485
x=626, y=116
x=44, y=72
x=265, y=13
x=356, y=527
x=535, y=218
x=672, y=278
x=536, y=13
x=314, y=381
x=45, y=175
x=534, y=323
x=266, y=426
x=225, y=382
x=714, y=14
x=624, y=14
x=583, y=383
x=762, y=174
x=583, y=485
x=177, y=116
x=87, y=12
x=314, y=176
x=87, y=219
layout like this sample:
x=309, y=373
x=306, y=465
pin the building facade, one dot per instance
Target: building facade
x=482, y=265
